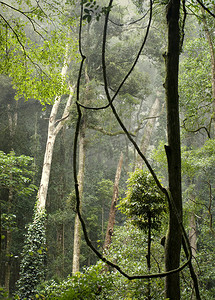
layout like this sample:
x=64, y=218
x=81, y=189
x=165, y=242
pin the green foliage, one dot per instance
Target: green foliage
x=205, y=253
x=196, y=160
x=36, y=71
x=3, y=294
x=93, y=284
x=92, y=9
x=8, y=222
x=32, y=268
x=129, y=250
x=33, y=60
x=195, y=84
x=143, y=201
x=105, y=189
x=16, y=173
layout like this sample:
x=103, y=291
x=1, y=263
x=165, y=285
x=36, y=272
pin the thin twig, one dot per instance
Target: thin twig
x=196, y=130
x=130, y=23
x=33, y=22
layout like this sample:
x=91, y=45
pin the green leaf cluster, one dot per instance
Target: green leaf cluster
x=36, y=70
x=196, y=160
x=16, y=173
x=33, y=57
x=144, y=202
x=195, y=84
x=92, y=284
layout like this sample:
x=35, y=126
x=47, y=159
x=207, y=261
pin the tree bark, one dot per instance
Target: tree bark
x=77, y=226
x=53, y=130
x=112, y=213
x=173, y=151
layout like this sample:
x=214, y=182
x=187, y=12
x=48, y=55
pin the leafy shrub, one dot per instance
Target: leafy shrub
x=92, y=284
x=144, y=201
x=129, y=251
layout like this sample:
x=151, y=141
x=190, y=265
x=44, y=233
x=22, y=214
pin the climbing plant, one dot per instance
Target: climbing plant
x=33, y=258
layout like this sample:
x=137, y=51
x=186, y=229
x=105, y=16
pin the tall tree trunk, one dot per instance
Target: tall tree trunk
x=82, y=154
x=112, y=213
x=77, y=226
x=60, y=227
x=173, y=151
x=53, y=130
x=148, y=130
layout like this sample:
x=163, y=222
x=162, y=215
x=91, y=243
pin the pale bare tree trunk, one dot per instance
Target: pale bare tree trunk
x=112, y=213
x=53, y=129
x=148, y=130
x=77, y=225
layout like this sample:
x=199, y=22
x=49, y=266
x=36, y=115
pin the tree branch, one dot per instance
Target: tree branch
x=130, y=23
x=205, y=8
x=33, y=22
x=196, y=130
